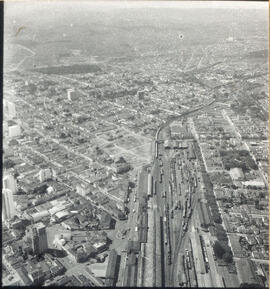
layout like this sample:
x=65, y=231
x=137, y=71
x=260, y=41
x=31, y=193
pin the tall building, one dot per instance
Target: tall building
x=14, y=130
x=38, y=235
x=45, y=174
x=71, y=94
x=8, y=207
x=9, y=183
x=9, y=109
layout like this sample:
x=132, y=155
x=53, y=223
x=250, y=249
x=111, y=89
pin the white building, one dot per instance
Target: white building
x=11, y=110
x=14, y=131
x=10, y=183
x=36, y=217
x=8, y=206
x=71, y=94
x=45, y=175
x=236, y=174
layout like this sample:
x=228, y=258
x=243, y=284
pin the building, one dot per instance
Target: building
x=176, y=130
x=9, y=183
x=82, y=189
x=204, y=216
x=8, y=206
x=14, y=131
x=36, y=217
x=38, y=235
x=9, y=109
x=236, y=174
x=100, y=269
x=112, y=268
x=120, y=168
x=167, y=144
x=71, y=94
x=45, y=175
x=247, y=274
x=254, y=184
x=237, y=249
x=131, y=271
x=105, y=221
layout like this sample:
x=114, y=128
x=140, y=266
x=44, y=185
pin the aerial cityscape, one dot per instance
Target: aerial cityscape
x=135, y=144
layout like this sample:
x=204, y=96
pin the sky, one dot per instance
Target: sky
x=33, y=4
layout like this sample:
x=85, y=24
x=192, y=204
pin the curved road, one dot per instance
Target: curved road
x=170, y=120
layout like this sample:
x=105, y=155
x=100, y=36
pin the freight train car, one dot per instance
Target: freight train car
x=182, y=279
x=155, y=187
x=184, y=212
x=169, y=254
x=170, y=187
x=150, y=185
x=188, y=261
x=164, y=194
x=195, y=181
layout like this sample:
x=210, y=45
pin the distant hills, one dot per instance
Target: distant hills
x=69, y=69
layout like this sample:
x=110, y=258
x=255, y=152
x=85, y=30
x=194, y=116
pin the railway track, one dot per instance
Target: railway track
x=170, y=268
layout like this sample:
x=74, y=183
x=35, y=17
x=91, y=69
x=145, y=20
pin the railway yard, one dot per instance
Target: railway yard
x=176, y=248
x=177, y=190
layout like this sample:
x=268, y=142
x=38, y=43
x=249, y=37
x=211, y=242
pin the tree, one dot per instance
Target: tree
x=41, y=189
x=227, y=257
x=8, y=164
x=16, y=174
x=218, y=249
x=257, y=205
x=217, y=219
x=250, y=285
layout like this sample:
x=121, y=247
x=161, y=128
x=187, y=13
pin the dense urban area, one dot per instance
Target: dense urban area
x=144, y=164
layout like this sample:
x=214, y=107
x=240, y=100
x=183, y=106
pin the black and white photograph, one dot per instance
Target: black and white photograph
x=135, y=144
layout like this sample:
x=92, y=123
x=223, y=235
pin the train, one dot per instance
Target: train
x=195, y=181
x=205, y=257
x=185, y=209
x=189, y=201
x=164, y=194
x=170, y=187
x=189, y=212
x=150, y=185
x=156, y=144
x=166, y=231
x=188, y=261
x=173, y=177
x=166, y=237
x=169, y=258
x=184, y=212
